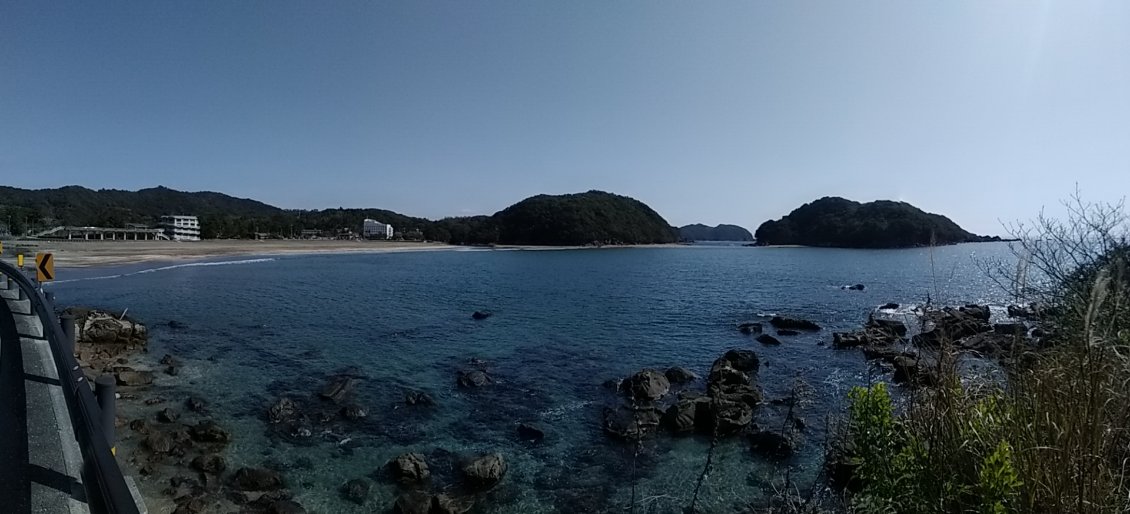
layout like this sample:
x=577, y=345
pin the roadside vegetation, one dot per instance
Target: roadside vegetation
x=1050, y=430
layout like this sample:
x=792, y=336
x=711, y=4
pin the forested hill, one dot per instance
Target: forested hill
x=700, y=232
x=837, y=222
x=583, y=218
x=575, y=219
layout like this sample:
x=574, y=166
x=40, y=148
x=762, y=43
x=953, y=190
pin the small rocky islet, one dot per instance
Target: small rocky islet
x=180, y=444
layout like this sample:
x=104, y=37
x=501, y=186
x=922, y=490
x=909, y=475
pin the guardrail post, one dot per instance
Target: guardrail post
x=104, y=390
x=67, y=322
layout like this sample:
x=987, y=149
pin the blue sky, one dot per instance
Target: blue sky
x=714, y=112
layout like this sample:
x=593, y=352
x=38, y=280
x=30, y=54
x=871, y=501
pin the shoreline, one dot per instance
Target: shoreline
x=94, y=254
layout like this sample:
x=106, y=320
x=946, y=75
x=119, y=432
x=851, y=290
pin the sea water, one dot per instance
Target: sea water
x=250, y=330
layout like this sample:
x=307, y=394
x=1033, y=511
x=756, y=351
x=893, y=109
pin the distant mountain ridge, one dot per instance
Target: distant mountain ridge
x=838, y=222
x=700, y=232
x=572, y=219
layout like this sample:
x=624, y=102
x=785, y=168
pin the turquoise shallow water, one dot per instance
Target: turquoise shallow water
x=564, y=322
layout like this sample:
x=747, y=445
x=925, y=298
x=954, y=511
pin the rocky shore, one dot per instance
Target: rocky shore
x=182, y=450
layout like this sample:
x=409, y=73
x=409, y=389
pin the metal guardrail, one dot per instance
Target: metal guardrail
x=106, y=488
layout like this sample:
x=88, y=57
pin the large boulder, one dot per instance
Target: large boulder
x=409, y=468
x=485, y=471
x=159, y=442
x=647, y=385
x=211, y=464
x=686, y=415
x=257, y=479
x=209, y=431
x=743, y=360
x=743, y=393
x=730, y=417
x=473, y=378
x=724, y=372
x=627, y=423
x=132, y=377
x=772, y=444
x=284, y=410
x=977, y=311
x=793, y=323
x=679, y=375
x=105, y=328
x=892, y=326
x=444, y=503
x=953, y=324
x=338, y=387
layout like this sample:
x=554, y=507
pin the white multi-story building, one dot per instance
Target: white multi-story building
x=374, y=229
x=181, y=228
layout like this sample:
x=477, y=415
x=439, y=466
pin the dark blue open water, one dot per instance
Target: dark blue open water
x=564, y=322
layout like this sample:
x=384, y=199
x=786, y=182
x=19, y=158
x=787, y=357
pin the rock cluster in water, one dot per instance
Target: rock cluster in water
x=653, y=402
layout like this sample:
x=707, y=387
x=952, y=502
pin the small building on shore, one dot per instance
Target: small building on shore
x=181, y=228
x=373, y=229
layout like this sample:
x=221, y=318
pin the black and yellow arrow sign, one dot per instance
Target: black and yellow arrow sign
x=44, y=267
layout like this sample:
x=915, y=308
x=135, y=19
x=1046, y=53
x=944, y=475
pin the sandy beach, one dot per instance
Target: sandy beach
x=83, y=254
x=79, y=254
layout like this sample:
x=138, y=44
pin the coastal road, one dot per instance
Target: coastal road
x=39, y=458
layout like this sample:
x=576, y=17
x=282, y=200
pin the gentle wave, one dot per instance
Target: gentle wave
x=163, y=268
x=195, y=264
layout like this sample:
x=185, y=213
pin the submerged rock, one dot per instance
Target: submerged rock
x=486, y=471
x=889, y=306
x=480, y=315
x=418, y=398
x=356, y=490
x=768, y=340
x=793, y=324
x=209, y=431
x=787, y=332
x=211, y=464
x=354, y=412
x=285, y=507
x=167, y=415
x=283, y=410
x=751, y=328
x=195, y=404
x=159, y=442
x=772, y=444
x=446, y=504
x=257, y=479
x=132, y=377
x=413, y=502
x=627, y=423
x=338, y=388
x=473, y=378
x=530, y=432
x=409, y=468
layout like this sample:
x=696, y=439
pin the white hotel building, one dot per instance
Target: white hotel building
x=373, y=229
x=181, y=228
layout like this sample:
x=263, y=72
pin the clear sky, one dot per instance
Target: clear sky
x=714, y=112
